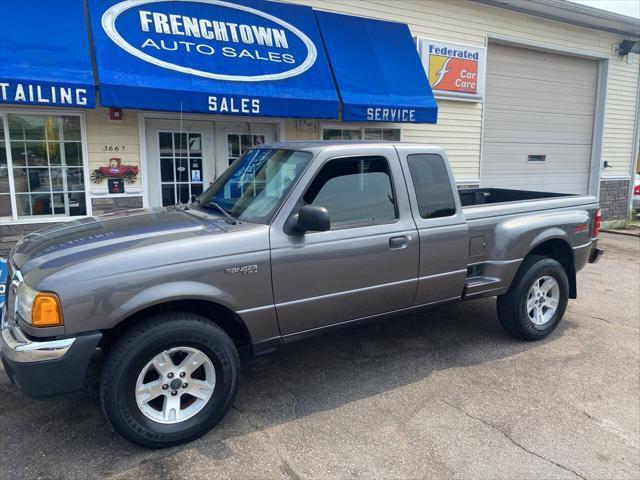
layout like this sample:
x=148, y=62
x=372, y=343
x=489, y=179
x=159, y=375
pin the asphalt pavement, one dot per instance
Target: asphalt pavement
x=441, y=393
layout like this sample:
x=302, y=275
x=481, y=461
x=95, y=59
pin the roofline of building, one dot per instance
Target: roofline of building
x=573, y=13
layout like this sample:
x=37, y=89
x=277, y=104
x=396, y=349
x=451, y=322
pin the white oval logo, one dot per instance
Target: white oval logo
x=109, y=25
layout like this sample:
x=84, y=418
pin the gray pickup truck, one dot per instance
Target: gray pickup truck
x=292, y=240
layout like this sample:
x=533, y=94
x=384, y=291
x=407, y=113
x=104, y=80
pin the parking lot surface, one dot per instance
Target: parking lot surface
x=441, y=393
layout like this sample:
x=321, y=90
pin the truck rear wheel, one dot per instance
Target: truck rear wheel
x=536, y=300
x=169, y=379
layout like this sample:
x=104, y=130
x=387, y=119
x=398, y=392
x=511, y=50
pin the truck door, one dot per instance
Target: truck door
x=367, y=263
x=442, y=227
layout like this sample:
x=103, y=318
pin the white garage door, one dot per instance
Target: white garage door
x=538, y=125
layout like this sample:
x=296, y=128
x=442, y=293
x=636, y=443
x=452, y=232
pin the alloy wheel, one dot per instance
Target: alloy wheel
x=542, y=300
x=175, y=385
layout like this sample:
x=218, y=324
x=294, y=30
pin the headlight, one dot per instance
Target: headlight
x=41, y=309
x=24, y=301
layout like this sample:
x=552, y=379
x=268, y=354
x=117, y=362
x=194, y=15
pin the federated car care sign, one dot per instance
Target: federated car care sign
x=453, y=70
x=214, y=56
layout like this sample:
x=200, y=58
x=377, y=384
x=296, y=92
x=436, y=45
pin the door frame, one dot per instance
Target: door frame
x=143, y=115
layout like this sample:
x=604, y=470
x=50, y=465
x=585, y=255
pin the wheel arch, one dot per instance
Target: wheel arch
x=217, y=313
x=559, y=249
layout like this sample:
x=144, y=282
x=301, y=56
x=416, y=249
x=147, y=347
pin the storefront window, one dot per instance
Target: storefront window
x=45, y=161
x=361, y=133
x=385, y=134
x=341, y=134
x=238, y=144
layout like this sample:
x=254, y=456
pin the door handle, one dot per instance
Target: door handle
x=398, y=242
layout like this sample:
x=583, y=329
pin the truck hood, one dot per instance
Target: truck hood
x=62, y=245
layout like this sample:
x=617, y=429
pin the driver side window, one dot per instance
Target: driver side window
x=356, y=192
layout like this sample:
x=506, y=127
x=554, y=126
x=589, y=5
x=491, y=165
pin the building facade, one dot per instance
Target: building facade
x=526, y=99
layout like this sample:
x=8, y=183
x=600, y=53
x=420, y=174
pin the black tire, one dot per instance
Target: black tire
x=512, y=306
x=137, y=347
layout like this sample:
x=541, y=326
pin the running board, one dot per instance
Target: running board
x=475, y=285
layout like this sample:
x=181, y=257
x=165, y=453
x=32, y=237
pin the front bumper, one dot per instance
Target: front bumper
x=46, y=368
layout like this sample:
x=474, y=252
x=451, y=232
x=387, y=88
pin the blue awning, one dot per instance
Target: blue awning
x=242, y=58
x=44, y=54
x=378, y=70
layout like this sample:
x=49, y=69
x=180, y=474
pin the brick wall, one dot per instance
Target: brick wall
x=114, y=204
x=10, y=234
x=614, y=199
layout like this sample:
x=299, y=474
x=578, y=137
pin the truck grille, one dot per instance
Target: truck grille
x=9, y=295
x=11, y=271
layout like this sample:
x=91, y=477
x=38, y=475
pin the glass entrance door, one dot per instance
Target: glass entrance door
x=180, y=166
x=180, y=160
x=234, y=139
x=239, y=143
x=184, y=157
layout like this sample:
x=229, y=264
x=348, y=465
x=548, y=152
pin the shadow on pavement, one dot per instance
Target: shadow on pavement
x=69, y=437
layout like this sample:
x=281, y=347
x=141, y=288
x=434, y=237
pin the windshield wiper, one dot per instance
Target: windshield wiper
x=228, y=217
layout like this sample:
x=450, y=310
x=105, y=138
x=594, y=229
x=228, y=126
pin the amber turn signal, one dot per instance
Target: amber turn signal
x=46, y=311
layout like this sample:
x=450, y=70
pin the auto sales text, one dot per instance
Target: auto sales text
x=219, y=31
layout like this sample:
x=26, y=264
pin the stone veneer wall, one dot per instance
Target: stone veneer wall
x=101, y=206
x=10, y=234
x=614, y=199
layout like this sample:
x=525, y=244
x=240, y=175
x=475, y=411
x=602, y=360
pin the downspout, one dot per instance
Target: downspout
x=636, y=142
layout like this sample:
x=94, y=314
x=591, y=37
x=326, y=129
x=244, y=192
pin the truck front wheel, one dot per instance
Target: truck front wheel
x=169, y=379
x=536, y=300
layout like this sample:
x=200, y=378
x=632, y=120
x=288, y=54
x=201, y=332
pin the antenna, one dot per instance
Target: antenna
x=180, y=185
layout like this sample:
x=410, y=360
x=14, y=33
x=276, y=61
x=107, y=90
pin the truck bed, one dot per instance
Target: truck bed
x=479, y=203
x=492, y=212
x=484, y=196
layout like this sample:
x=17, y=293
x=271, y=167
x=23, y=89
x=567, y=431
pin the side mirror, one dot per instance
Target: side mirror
x=312, y=218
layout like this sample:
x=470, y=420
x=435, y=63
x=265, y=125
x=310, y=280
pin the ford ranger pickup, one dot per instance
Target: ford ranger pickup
x=292, y=240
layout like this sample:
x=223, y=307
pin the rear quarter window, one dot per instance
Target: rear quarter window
x=432, y=185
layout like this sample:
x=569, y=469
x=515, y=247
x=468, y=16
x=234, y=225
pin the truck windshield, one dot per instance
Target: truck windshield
x=253, y=187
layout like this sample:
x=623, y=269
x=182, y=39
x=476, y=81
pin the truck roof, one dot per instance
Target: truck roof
x=321, y=144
